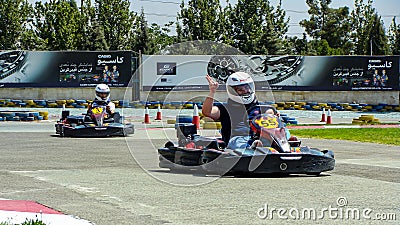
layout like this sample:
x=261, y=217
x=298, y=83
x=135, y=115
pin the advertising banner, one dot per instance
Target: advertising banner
x=65, y=68
x=165, y=72
x=366, y=73
x=302, y=73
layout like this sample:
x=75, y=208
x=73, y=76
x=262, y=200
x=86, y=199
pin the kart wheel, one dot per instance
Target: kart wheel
x=129, y=129
x=169, y=144
x=62, y=134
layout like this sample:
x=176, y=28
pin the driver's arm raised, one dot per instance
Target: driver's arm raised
x=208, y=109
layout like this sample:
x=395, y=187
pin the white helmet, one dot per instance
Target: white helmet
x=102, y=92
x=240, y=88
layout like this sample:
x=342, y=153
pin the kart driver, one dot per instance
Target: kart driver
x=103, y=98
x=235, y=114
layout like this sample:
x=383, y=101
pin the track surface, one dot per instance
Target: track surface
x=99, y=180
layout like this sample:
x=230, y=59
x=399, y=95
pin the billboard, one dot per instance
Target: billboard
x=165, y=72
x=303, y=73
x=366, y=73
x=65, y=68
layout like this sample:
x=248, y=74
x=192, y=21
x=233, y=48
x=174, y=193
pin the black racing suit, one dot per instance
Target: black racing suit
x=234, y=119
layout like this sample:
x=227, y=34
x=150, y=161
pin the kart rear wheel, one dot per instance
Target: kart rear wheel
x=169, y=144
x=62, y=134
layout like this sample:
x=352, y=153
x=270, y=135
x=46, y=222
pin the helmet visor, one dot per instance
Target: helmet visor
x=243, y=90
x=103, y=95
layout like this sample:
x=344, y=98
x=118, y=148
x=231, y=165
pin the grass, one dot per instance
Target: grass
x=27, y=222
x=389, y=136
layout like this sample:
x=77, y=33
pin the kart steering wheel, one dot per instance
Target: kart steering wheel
x=251, y=112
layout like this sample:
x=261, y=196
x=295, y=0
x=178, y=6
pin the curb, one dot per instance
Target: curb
x=20, y=211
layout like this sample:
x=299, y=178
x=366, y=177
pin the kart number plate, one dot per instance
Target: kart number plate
x=97, y=110
x=267, y=122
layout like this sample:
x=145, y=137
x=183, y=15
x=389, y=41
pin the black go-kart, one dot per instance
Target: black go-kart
x=97, y=123
x=277, y=155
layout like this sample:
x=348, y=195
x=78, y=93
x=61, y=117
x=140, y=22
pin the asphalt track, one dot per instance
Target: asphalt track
x=99, y=180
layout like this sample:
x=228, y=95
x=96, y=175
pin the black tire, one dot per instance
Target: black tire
x=169, y=144
x=116, y=117
x=62, y=134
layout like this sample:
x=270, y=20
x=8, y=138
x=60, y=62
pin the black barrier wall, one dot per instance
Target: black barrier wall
x=186, y=72
x=293, y=73
x=65, y=68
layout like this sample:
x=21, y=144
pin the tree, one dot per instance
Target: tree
x=329, y=24
x=297, y=46
x=28, y=39
x=57, y=24
x=256, y=28
x=394, y=37
x=377, y=37
x=199, y=20
x=160, y=37
x=95, y=41
x=117, y=22
x=224, y=26
x=141, y=40
x=368, y=30
x=203, y=22
x=90, y=35
x=14, y=19
x=280, y=28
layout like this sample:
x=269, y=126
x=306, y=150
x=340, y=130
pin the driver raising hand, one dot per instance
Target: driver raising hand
x=234, y=114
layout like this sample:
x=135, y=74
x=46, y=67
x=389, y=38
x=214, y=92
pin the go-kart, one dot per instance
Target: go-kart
x=277, y=155
x=96, y=123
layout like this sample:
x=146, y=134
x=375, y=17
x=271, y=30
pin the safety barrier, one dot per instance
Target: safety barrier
x=23, y=115
x=366, y=119
x=289, y=120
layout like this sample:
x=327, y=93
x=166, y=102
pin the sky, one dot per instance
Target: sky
x=162, y=11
